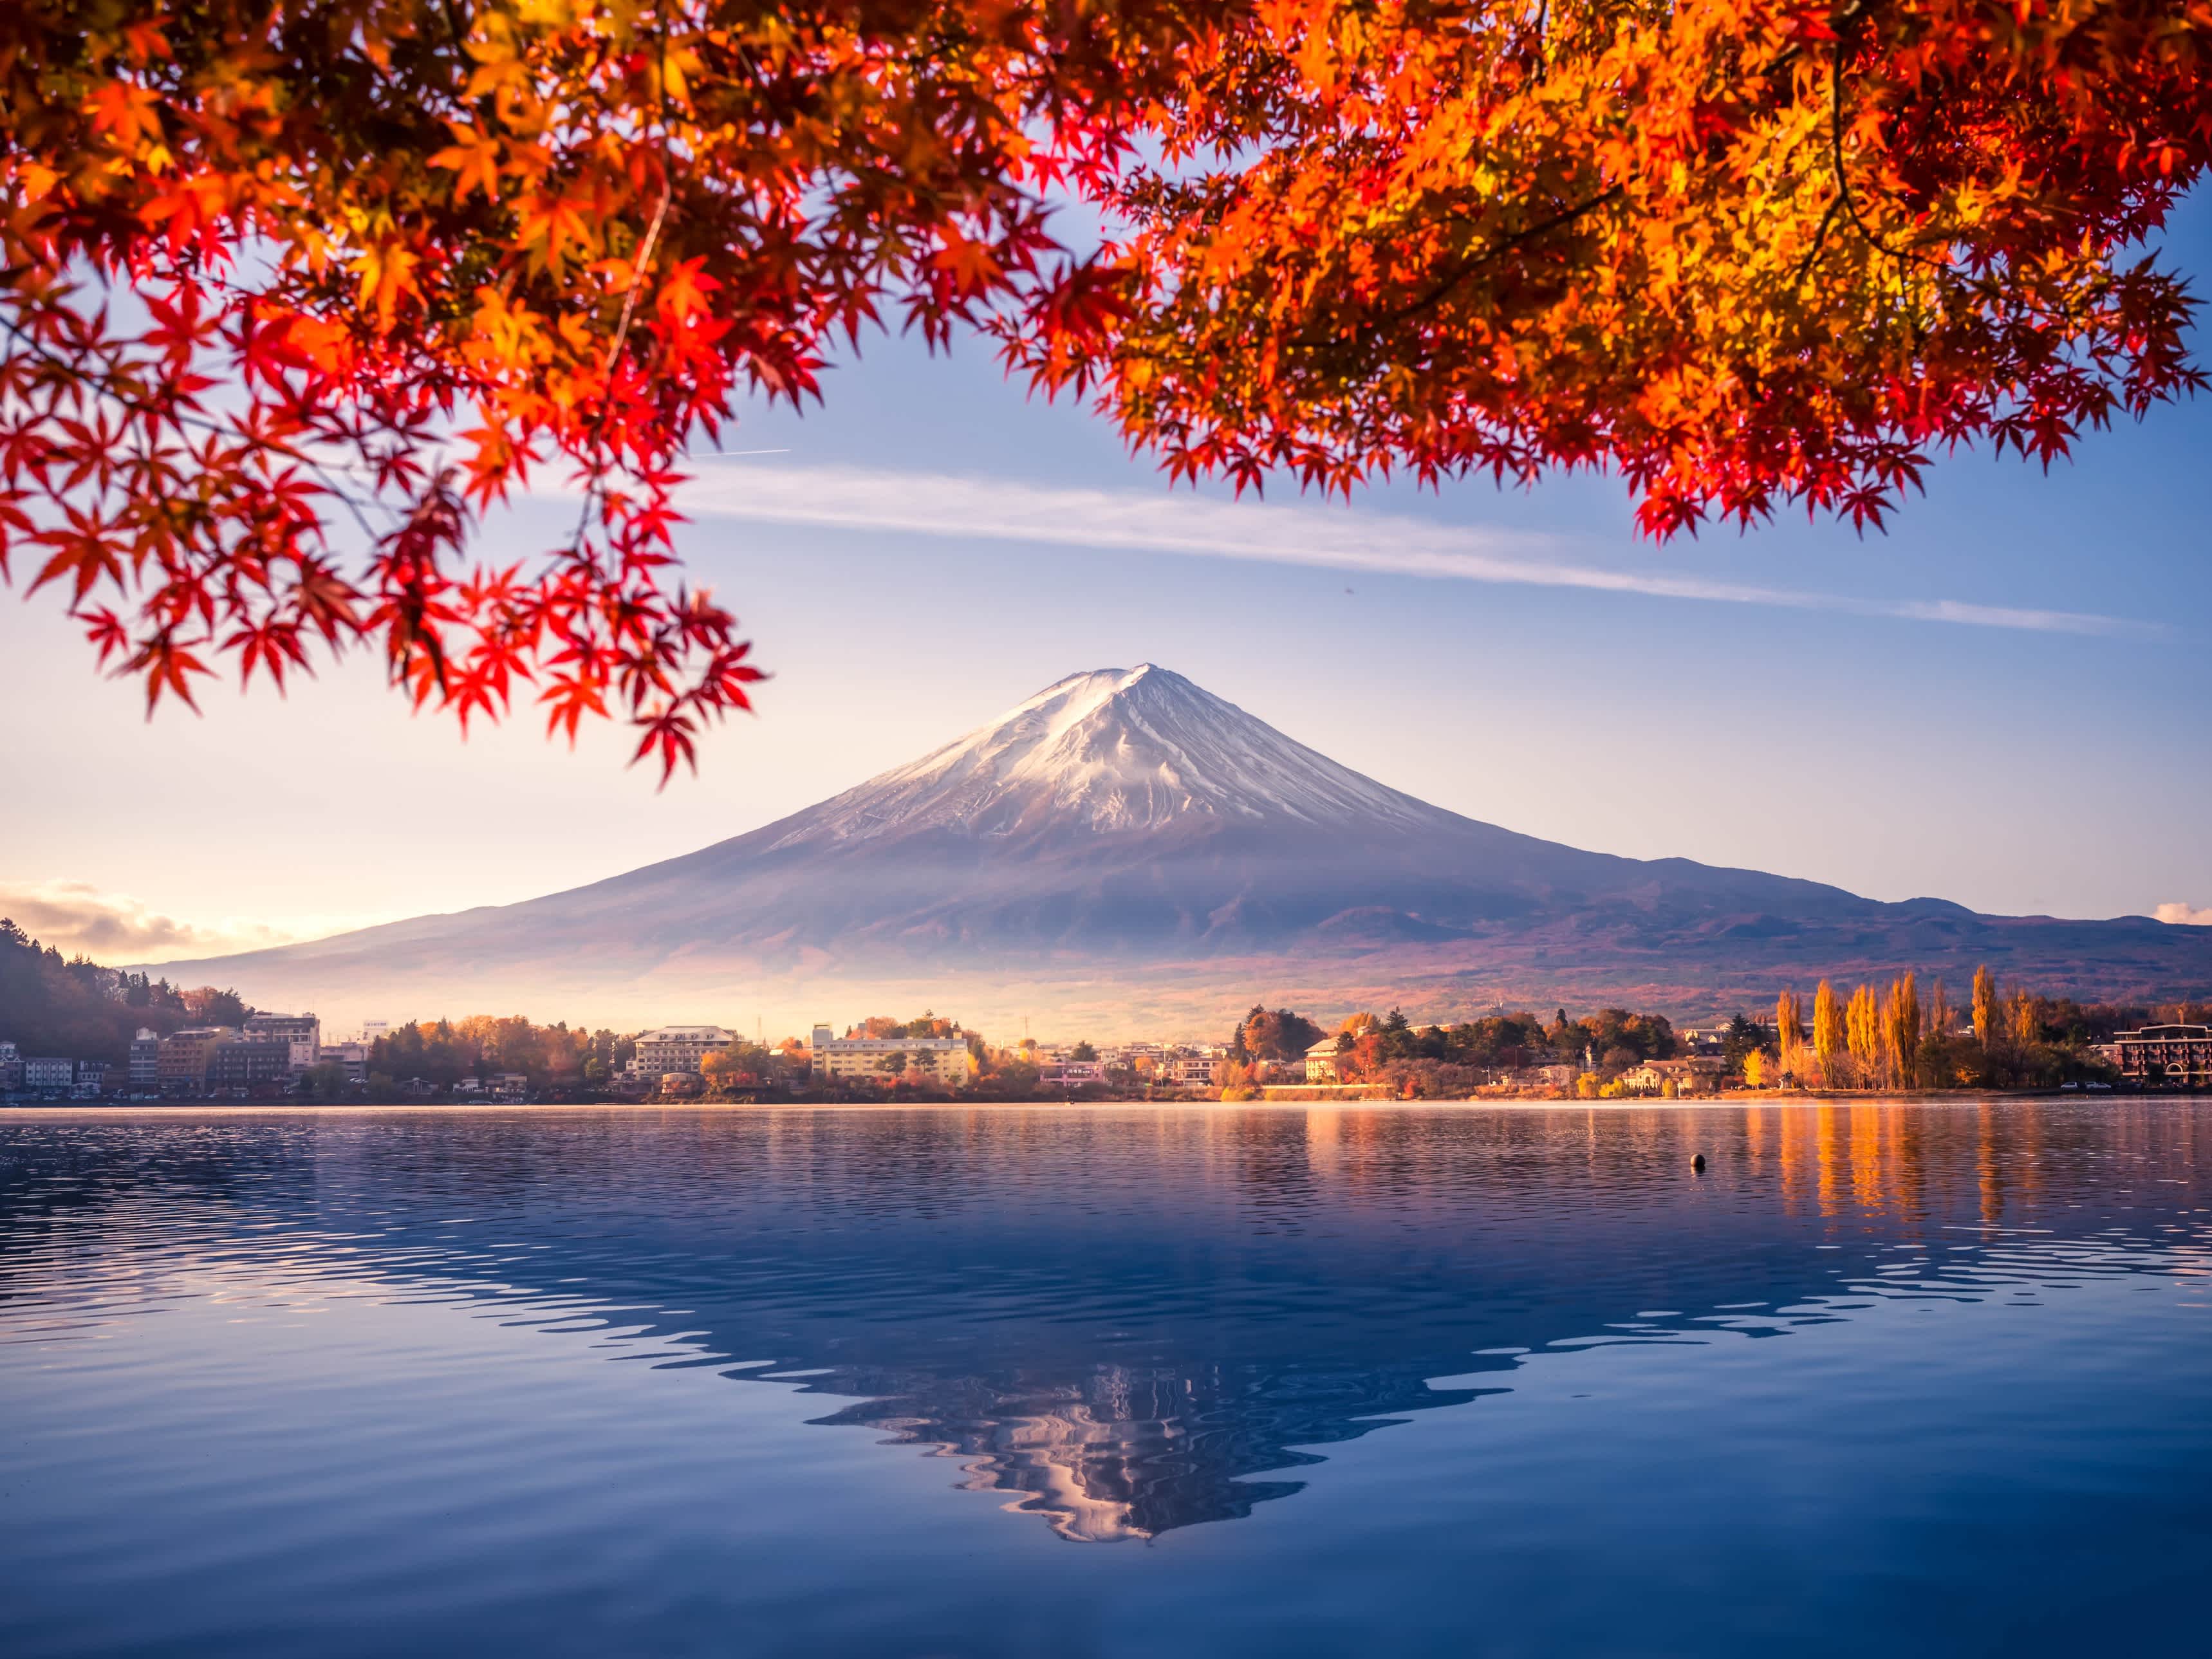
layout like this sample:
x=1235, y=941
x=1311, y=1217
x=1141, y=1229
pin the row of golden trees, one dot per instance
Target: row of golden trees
x=1890, y=1038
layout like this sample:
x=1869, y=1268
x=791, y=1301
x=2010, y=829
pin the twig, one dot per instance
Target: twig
x=1820, y=240
x=1942, y=268
x=104, y=383
x=1500, y=248
x=629, y=310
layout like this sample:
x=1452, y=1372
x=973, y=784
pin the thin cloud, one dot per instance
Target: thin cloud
x=78, y=918
x=2184, y=915
x=1325, y=537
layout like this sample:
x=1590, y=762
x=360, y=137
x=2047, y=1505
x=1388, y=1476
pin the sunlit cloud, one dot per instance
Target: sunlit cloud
x=1328, y=536
x=2184, y=915
x=78, y=918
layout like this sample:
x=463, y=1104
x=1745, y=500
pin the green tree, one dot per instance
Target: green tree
x=1740, y=1037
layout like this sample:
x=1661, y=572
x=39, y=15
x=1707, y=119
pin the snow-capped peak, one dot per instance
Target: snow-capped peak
x=1114, y=749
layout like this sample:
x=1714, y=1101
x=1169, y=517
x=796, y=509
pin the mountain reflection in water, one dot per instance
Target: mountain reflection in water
x=1127, y=1320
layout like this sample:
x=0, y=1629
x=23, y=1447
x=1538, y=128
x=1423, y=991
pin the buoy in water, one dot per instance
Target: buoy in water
x=1699, y=1163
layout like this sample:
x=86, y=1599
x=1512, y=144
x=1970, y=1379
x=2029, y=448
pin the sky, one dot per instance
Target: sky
x=2001, y=700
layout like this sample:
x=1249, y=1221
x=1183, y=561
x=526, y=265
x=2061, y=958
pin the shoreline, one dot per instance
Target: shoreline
x=1706, y=1102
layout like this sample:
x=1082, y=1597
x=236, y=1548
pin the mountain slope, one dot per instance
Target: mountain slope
x=1126, y=847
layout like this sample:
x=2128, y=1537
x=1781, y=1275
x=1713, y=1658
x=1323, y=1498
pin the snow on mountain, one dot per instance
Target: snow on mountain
x=1113, y=750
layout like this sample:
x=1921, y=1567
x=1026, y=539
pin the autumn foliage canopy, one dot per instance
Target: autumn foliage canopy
x=293, y=292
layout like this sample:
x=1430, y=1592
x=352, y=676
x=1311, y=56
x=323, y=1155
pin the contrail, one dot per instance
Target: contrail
x=1326, y=537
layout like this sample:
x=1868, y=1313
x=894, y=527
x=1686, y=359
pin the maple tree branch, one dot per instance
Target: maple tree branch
x=628, y=312
x=614, y=355
x=1819, y=240
x=1940, y=267
x=1500, y=248
x=105, y=384
x=1982, y=285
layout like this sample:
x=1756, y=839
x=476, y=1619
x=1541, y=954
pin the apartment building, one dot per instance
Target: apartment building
x=2165, y=1056
x=182, y=1067
x=943, y=1061
x=677, y=1049
x=145, y=1063
x=301, y=1035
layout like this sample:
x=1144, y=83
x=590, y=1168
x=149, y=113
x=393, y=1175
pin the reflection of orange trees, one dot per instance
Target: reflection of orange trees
x=1865, y=1126
x=1987, y=1166
x=1824, y=1149
x=1861, y=1159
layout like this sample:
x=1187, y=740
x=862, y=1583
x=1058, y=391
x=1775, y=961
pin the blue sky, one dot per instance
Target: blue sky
x=2015, y=769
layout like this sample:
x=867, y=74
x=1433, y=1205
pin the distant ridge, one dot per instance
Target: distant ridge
x=1126, y=851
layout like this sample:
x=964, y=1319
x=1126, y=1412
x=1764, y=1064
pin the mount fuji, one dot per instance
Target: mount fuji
x=1127, y=852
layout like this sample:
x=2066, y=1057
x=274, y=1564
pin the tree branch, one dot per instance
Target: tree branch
x=1499, y=249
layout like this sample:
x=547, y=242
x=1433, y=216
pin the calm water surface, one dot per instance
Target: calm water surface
x=1897, y=1379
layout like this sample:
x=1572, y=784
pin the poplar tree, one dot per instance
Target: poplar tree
x=1829, y=1040
x=1863, y=1030
x=1901, y=1030
x=1789, y=1043
x=1985, y=1006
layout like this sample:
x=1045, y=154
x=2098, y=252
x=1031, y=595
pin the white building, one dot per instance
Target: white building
x=145, y=1059
x=943, y=1061
x=351, y=1058
x=1189, y=1070
x=301, y=1033
x=677, y=1049
x=1321, y=1061
x=1071, y=1073
x=49, y=1071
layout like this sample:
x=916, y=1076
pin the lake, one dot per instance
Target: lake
x=1929, y=1378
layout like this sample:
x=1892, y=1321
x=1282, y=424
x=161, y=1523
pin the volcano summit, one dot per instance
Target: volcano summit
x=1127, y=851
